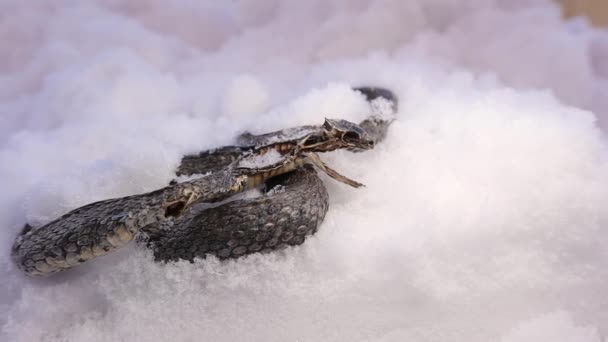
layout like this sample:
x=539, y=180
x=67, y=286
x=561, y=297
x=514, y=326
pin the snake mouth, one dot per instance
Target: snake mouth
x=361, y=145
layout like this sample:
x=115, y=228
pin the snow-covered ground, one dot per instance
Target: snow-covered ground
x=484, y=217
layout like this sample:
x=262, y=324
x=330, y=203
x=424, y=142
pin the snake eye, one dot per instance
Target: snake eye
x=351, y=137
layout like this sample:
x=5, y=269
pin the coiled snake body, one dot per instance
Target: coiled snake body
x=200, y=217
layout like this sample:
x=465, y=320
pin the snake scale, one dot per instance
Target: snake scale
x=202, y=216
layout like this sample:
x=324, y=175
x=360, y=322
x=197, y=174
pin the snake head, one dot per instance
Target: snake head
x=348, y=135
x=337, y=134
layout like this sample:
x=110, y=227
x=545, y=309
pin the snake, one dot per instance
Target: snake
x=209, y=212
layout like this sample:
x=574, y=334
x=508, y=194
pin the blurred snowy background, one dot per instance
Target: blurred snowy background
x=484, y=217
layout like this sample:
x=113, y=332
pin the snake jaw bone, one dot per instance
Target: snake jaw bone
x=316, y=160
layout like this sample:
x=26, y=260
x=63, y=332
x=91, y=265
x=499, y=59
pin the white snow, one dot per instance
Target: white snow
x=484, y=213
x=253, y=161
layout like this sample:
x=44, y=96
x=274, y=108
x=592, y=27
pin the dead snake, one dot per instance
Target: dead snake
x=200, y=217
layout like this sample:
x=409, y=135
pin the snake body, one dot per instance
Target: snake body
x=200, y=217
x=293, y=208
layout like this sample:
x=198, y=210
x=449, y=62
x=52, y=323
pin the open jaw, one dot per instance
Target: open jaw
x=316, y=161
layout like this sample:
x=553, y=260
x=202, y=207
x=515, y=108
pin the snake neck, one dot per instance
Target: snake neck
x=254, y=180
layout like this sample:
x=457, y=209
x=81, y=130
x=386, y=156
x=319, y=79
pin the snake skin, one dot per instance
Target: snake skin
x=102, y=227
x=293, y=209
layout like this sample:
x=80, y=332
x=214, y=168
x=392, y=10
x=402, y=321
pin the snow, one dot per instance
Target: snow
x=483, y=217
x=258, y=161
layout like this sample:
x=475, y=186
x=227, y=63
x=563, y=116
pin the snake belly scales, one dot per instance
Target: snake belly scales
x=201, y=216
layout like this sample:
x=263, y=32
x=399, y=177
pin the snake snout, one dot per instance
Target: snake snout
x=362, y=146
x=367, y=143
